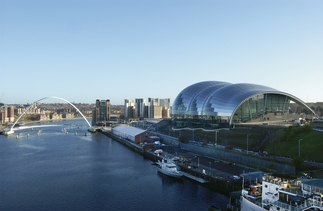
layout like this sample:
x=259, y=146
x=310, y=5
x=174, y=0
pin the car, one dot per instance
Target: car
x=211, y=145
x=187, y=160
x=158, y=151
x=176, y=158
x=235, y=177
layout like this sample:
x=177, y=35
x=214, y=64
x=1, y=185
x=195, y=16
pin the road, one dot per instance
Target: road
x=209, y=165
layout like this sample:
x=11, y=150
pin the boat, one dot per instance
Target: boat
x=19, y=124
x=158, y=151
x=8, y=131
x=106, y=129
x=92, y=129
x=169, y=168
x=281, y=194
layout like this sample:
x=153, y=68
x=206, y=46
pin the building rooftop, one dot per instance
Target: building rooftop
x=132, y=131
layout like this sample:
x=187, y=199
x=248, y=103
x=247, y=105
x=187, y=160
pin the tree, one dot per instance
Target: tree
x=299, y=164
x=181, y=139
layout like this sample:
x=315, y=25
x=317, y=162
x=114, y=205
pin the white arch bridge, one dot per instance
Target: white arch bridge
x=11, y=131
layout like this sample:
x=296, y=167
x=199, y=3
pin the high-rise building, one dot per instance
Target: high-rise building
x=2, y=115
x=101, y=112
x=7, y=114
x=155, y=108
x=129, y=108
x=140, y=108
x=158, y=108
x=11, y=113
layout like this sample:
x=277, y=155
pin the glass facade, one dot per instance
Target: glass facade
x=101, y=112
x=214, y=105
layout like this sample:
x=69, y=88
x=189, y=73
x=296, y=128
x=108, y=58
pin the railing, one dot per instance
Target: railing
x=236, y=157
x=304, y=206
x=285, y=206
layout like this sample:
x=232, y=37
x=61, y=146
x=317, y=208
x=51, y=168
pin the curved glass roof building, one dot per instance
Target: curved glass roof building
x=212, y=105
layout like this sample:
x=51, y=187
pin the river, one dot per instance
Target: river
x=44, y=168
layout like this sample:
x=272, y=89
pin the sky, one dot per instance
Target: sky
x=83, y=50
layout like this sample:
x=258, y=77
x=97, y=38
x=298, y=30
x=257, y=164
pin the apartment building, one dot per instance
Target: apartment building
x=153, y=108
x=32, y=110
x=7, y=114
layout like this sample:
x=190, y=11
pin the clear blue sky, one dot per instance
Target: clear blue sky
x=126, y=49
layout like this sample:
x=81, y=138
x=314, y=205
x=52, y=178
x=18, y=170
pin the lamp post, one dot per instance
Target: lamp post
x=299, y=147
x=193, y=134
x=216, y=138
x=247, y=142
x=210, y=167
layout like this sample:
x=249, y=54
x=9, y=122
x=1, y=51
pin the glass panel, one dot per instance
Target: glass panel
x=211, y=104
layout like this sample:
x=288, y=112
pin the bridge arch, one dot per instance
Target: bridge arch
x=47, y=98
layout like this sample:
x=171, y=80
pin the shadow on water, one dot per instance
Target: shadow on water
x=169, y=180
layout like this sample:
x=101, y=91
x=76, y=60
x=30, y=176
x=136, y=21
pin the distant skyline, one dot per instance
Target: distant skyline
x=84, y=50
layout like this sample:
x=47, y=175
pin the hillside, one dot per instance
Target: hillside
x=282, y=141
x=310, y=147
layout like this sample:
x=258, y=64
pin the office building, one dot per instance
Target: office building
x=154, y=108
x=101, y=112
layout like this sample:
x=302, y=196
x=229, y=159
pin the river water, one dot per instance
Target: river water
x=44, y=168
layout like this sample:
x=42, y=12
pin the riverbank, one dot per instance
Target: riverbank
x=58, y=171
x=3, y=126
x=214, y=177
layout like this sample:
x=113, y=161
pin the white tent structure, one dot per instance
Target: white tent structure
x=127, y=132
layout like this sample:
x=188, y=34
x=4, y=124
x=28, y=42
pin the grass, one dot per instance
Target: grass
x=311, y=146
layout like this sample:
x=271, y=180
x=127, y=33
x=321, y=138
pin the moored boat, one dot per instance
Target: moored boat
x=92, y=129
x=8, y=131
x=169, y=168
x=282, y=194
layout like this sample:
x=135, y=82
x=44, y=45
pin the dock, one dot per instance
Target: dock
x=194, y=178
